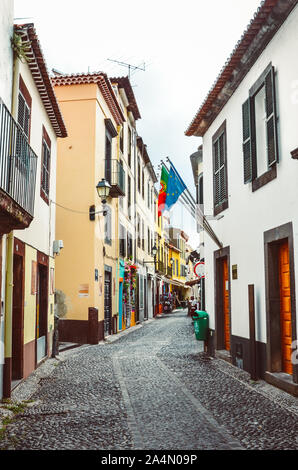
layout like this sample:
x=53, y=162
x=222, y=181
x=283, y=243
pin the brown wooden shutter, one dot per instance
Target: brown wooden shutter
x=216, y=181
x=248, y=159
x=272, y=152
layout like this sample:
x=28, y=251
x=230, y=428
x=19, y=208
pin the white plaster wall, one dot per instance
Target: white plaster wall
x=41, y=232
x=147, y=215
x=250, y=214
x=6, y=53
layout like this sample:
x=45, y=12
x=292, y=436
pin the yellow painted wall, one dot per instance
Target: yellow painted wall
x=76, y=191
x=79, y=168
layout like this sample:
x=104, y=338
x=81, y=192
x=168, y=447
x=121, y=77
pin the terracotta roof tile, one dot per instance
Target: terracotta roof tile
x=41, y=77
x=104, y=84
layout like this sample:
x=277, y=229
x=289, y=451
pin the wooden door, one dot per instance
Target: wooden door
x=285, y=308
x=226, y=305
x=41, y=312
x=107, y=303
x=17, y=318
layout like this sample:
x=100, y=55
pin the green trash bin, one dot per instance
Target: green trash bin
x=201, y=324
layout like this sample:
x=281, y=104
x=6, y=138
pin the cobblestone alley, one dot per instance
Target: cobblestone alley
x=153, y=388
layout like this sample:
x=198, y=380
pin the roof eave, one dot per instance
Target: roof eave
x=38, y=69
x=266, y=22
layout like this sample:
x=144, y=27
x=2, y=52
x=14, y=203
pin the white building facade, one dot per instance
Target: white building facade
x=6, y=73
x=145, y=232
x=249, y=127
x=28, y=185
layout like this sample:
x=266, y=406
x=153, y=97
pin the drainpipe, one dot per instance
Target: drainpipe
x=8, y=317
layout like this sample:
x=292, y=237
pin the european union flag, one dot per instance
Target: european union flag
x=175, y=188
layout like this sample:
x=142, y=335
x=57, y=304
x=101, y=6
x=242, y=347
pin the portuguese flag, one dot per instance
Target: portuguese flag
x=163, y=190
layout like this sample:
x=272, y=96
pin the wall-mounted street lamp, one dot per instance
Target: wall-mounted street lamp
x=103, y=188
x=171, y=261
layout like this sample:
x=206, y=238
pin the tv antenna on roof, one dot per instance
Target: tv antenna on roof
x=24, y=18
x=130, y=66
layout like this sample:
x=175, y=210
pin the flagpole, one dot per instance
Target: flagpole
x=184, y=197
x=204, y=224
x=186, y=189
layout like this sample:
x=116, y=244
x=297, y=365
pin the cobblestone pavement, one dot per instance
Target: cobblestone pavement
x=153, y=388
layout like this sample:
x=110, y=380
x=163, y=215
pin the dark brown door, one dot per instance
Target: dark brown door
x=107, y=303
x=41, y=311
x=17, y=317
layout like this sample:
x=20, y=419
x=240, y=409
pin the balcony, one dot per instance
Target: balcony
x=17, y=174
x=169, y=272
x=161, y=267
x=115, y=175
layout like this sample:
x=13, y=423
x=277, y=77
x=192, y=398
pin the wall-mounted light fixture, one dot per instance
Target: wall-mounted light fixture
x=103, y=188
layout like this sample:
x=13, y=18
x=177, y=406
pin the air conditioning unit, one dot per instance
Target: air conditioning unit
x=57, y=246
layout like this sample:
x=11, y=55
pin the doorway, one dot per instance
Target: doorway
x=285, y=308
x=107, y=302
x=41, y=312
x=18, y=318
x=280, y=300
x=222, y=299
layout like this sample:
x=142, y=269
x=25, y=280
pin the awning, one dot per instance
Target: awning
x=193, y=283
x=177, y=283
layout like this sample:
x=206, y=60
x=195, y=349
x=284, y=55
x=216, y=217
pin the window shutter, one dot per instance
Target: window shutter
x=216, y=176
x=23, y=114
x=272, y=152
x=247, y=143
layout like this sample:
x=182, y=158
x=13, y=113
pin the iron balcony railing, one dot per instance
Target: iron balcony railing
x=115, y=175
x=161, y=268
x=169, y=271
x=17, y=162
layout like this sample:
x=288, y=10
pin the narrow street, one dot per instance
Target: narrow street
x=152, y=389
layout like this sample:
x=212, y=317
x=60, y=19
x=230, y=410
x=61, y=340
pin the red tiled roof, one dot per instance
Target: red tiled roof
x=38, y=68
x=104, y=84
x=143, y=148
x=269, y=17
x=123, y=82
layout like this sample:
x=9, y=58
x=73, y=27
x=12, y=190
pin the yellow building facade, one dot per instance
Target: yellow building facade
x=87, y=267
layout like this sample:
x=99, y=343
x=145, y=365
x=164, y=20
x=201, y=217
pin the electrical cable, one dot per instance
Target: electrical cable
x=73, y=210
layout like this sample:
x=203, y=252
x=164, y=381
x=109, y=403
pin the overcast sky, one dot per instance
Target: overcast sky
x=184, y=45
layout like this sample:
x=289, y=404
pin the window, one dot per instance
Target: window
x=23, y=118
x=121, y=139
x=108, y=225
x=108, y=157
x=220, y=177
x=129, y=146
x=143, y=235
x=129, y=196
x=139, y=176
x=139, y=230
x=259, y=125
x=122, y=241
x=143, y=184
x=45, y=166
x=149, y=239
x=129, y=245
x=141, y=285
x=177, y=268
x=24, y=108
x=23, y=114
